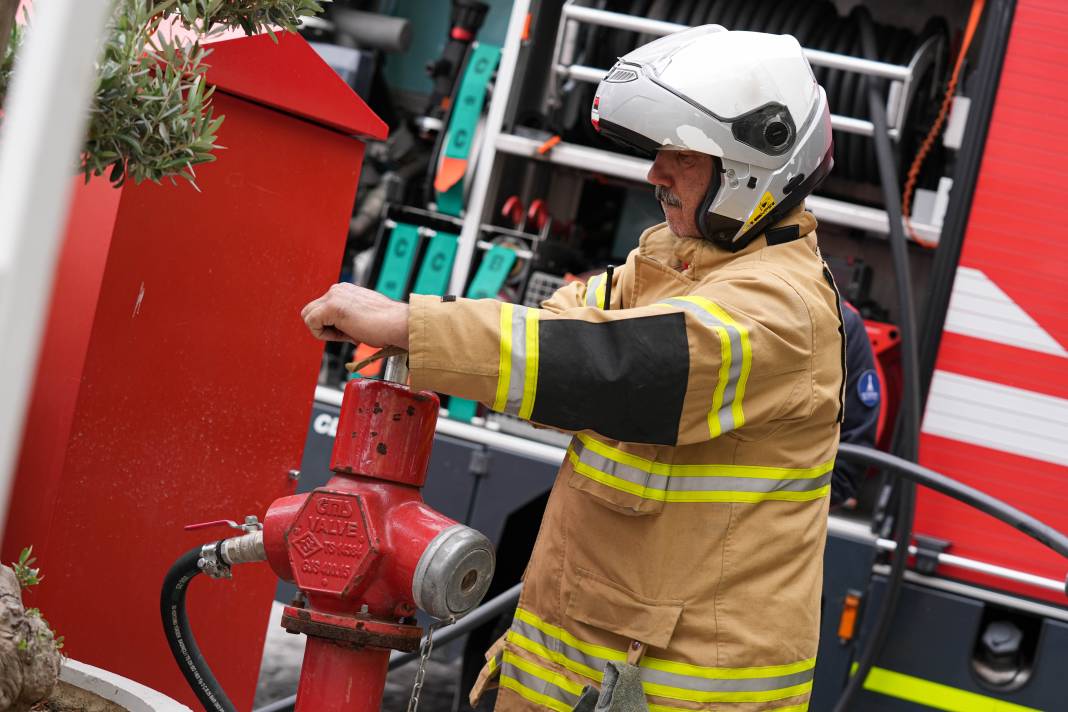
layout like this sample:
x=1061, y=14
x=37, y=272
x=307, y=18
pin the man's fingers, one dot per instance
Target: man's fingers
x=330, y=333
x=319, y=319
x=311, y=305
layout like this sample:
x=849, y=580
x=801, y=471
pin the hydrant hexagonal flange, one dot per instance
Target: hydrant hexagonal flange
x=332, y=544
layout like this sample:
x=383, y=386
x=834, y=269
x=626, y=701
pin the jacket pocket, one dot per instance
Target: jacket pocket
x=620, y=480
x=606, y=605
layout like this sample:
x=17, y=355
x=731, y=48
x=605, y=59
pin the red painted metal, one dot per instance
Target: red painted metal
x=352, y=547
x=461, y=35
x=336, y=679
x=1012, y=240
x=387, y=433
x=291, y=77
x=885, y=342
x=171, y=310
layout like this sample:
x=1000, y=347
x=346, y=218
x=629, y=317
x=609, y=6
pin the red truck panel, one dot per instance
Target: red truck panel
x=997, y=413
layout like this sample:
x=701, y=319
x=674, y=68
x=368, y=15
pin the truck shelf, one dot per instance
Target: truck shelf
x=597, y=160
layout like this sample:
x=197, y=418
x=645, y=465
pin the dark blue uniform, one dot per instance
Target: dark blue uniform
x=863, y=396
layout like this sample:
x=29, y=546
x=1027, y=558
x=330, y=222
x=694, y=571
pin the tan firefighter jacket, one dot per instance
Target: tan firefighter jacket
x=687, y=523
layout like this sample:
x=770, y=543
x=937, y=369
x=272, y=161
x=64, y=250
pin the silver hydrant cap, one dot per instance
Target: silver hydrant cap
x=454, y=572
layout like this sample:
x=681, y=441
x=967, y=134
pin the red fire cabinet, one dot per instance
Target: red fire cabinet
x=176, y=376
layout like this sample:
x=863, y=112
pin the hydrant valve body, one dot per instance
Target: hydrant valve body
x=366, y=550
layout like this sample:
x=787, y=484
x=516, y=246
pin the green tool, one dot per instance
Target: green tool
x=398, y=262
x=436, y=269
x=462, y=123
x=494, y=269
x=462, y=409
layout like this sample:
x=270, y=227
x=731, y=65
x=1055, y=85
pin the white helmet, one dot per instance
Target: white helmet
x=748, y=98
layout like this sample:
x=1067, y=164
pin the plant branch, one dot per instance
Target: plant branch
x=8, y=8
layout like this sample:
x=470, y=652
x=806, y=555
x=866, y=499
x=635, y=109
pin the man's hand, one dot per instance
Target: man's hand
x=350, y=313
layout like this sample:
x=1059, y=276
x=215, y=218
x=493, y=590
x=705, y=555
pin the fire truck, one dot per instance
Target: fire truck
x=974, y=99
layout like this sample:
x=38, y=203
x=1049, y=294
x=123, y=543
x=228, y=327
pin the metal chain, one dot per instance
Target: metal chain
x=424, y=656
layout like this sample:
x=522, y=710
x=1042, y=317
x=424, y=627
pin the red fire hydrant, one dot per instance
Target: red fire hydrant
x=366, y=551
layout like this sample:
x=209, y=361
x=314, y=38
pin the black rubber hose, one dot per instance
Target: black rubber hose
x=1002, y=511
x=485, y=613
x=908, y=440
x=180, y=637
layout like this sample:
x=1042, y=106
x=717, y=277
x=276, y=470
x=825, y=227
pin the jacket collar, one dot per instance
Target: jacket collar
x=695, y=257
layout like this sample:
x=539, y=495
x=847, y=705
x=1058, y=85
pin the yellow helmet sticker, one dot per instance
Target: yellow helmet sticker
x=767, y=202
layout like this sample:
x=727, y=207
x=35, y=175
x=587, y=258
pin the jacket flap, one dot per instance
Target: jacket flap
x=608, y=606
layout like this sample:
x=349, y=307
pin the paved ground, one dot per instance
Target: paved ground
x=283, y=652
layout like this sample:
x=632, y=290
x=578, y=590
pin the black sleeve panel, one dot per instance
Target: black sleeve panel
x=625, y=379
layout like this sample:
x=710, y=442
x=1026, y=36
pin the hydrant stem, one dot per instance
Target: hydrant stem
x=334, y=678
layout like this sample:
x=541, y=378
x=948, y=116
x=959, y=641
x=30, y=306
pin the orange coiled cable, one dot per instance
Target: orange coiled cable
x=936, y=128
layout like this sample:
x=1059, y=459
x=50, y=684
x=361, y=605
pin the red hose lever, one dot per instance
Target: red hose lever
x=218, y=522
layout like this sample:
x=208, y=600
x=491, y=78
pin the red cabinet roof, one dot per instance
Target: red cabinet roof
x=291, y=77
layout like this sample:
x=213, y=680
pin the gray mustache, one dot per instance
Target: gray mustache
x=666, y=197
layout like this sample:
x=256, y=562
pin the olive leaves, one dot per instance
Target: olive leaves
x=152, y=116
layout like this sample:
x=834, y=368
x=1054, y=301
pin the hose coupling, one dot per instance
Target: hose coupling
x=217, y=558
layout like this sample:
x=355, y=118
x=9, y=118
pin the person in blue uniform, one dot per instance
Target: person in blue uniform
x=863, y=398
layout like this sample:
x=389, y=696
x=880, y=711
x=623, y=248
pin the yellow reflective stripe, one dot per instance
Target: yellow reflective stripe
x=549, y=676
x=661, y=495
x=530, y=380
x=671, y=470
x=747, y=352
x=934, y=694
x=699, y=696
x=790, y=708
x=683, y=669
x=732, y=379
x=492, y=663
x=715, y=429
x=535, y=697
x=650, y=688
x=595, y=290
x=504, y=367
x=551, y=655
x=562, y=635
x=725, y=673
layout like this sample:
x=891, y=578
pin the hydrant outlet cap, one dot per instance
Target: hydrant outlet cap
x=454, y=572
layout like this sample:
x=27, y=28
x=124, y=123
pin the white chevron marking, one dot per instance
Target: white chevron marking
x=998, y=417
x=980, y=309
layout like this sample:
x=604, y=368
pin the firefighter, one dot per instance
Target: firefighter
x=680, y=554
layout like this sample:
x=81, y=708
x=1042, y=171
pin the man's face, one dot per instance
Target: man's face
x=681, y=179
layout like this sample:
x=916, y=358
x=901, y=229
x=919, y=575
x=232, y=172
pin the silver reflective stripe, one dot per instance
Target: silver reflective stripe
x=706, y=483
x=704, y=684
x=594, y=662
x=595, y=282
x=537, y=685
x=725, y=414
x=731, y=681
x=518, y=371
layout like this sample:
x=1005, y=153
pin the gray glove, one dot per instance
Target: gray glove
x=621, y=691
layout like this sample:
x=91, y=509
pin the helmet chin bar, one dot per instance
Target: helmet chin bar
x=715, y=228
x=724, y=231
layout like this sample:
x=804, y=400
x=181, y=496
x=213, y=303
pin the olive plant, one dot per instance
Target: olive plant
x=152, y=116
